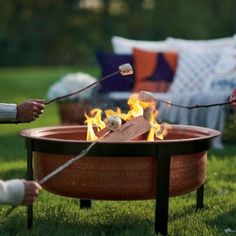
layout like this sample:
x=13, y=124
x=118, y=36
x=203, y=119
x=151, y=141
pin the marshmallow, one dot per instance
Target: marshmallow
x=114, y=122
x=145, y=96
x=126, y=69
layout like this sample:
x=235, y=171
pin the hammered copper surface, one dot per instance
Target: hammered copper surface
x=117, y=178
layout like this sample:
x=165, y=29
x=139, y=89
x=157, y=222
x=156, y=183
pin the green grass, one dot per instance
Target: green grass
x=54, y=215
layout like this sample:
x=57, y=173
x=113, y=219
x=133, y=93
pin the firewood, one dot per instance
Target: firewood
x=128, y=131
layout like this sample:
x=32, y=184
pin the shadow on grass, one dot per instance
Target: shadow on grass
x=83, y=223
x=132, y=226
x=225, y=221
x=185, y=206
x=183, y=212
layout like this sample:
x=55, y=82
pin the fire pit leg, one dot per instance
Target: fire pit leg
x=200, y=197
x=85, y=203
x=29, y=146
x=162, y=190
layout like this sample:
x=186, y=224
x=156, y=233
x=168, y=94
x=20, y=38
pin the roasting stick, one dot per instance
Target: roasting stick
x=124, y=70
x=145, y=96
x=68, y=163
x=59, y=169
x=113, y=124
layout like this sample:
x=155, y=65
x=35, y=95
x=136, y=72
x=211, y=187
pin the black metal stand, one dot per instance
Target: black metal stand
x=200, y=197
x=85, y=203
x=29, y=145
x=162, y=191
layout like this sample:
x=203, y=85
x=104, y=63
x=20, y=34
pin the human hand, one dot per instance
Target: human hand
x=32, y=190
x=233, y=98
x=29, y=110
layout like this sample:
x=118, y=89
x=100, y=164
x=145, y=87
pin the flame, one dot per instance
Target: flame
x=136, y=108
x=95, y=119
x=97, y=113
x=118, y=113
x=91, y=136
x=155, y=130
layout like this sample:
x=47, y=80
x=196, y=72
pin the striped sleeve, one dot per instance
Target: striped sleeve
x=7, y=112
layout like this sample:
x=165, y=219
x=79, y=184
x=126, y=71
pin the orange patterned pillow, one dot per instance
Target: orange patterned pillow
x=154, y=71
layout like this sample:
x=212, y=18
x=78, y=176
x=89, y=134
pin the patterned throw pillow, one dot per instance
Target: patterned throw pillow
x=194, y=67
x=109, y=63
x=224, y=77
x=125, y=46
x=154, y=71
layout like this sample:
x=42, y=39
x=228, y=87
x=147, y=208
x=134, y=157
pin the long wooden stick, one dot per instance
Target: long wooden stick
x=81, y=90
x=61, y=168
x=68, y=163
x=196, y=106
x=124, y=70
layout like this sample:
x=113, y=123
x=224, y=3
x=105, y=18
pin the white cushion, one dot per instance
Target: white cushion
x=125, y=46
x=194, y=67
x=224, y=77
x=210, y=44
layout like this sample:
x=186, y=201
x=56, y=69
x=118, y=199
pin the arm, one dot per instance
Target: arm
x=19, y=192
x=8, y=112
x=12, y=192
x=24, y=112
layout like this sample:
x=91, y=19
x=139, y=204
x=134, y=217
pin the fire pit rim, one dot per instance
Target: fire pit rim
x=37, y=133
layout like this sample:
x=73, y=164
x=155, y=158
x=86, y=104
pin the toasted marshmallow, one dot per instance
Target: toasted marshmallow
x=114, y=122
x=145, y=96
x=126, y=69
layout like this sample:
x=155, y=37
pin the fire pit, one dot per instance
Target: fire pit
x=133, y=170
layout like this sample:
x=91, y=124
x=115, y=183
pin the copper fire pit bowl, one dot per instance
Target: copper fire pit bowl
x=119, y=171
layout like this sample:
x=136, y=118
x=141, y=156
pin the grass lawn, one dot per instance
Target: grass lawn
x=54, y=215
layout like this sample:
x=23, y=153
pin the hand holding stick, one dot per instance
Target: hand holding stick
x=112, y=124
x=124, y=70
x=61, y=168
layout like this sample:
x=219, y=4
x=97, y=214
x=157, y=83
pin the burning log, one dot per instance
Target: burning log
x=129, y=131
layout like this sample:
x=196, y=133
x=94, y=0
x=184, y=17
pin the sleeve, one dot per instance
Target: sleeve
x=12, y=192
x=7, y=112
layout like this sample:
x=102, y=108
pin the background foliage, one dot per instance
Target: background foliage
x=51, y=32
